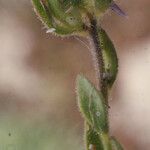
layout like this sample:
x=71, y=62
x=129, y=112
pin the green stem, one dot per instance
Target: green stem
x=105, y=141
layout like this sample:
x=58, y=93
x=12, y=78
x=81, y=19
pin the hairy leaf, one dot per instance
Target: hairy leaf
x=40, y=8
x=109, y=57
x=92, y=105
x=92, y=139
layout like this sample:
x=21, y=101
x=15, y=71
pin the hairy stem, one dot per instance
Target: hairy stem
x=99, y=66
x=105, y=141
x=98, y=58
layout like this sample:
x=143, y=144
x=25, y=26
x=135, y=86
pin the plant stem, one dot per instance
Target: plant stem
x=99, y=65
x=105, y=141
x=98, y=57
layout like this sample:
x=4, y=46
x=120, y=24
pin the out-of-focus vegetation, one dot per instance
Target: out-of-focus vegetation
x=20, y=134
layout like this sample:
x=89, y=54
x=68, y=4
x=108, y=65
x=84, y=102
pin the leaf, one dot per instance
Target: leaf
x=53, y=15
x=97, y=141
x=40, y=8
x=56, y=10
x=92, y=139
x=102, y=5
x=109, y=57
x=115, y=144
x=92, y=105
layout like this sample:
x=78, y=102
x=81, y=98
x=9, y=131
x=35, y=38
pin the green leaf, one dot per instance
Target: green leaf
x=115, y=144
x=97, y=141
x=56, y=10
x=40, y=8
x=92, y=105
x=53, y=15
x=92, y=139
x=102, y=5
x=109, y=57
x=71, y=19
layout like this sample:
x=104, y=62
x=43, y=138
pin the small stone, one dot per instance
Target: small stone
x=51, y=30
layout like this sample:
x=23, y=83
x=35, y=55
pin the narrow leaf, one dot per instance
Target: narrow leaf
x=41, y=11
x=109, y=57
x=102, y=5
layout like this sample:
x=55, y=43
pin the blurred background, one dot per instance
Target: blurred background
x=38, y=108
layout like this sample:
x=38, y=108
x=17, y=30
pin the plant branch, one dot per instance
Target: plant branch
x=76, y=17
x=98, y=58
